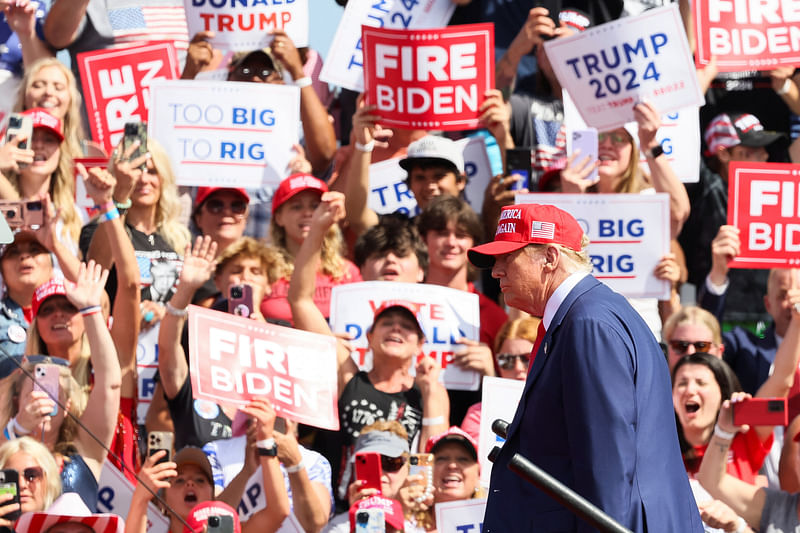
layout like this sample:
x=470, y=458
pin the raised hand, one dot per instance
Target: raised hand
x=89, y=286
x=198, y=263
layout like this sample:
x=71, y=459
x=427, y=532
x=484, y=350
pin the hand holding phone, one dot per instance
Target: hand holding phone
x=9, y=484
x=160, y=440
x=47, y=380
x=760, y=412
x=368, y=470
x=240, y=300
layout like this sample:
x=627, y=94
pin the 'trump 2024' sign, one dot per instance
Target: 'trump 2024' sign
x=433, y=78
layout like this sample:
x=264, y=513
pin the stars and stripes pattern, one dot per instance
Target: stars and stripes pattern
x=542, y=230
x=159, y=22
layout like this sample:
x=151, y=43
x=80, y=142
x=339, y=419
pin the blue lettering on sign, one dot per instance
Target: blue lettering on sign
x=666, y=144
x=255, y=117
x=240, y=3
x=594, y=63
x=148, y=387
x=470, y=168
x=470, y=527
x=401, y=191
x=250, y=497
x=379, y=191
x=105, y=498
x=608, y=264
x=673, y=116
x=618, y=228
x=241, y=150
x=354, y=330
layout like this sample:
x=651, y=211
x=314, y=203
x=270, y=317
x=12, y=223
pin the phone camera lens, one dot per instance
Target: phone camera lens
x=236, y=292
x=213, y=521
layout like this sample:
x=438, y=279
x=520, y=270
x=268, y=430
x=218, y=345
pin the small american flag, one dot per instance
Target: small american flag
x=542, y=230
x=134, y=24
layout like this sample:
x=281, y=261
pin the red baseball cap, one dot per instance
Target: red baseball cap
x=204, y=192
x=54, y=287
x=392, y=511
x=295, y=184
x=42, y=119
x=454, y=434
x=523, y=224
x=402, y=304
x=198, y=516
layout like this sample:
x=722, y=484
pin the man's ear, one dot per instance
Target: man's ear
x=723, y=155
x=552, y=257
x=461, y=181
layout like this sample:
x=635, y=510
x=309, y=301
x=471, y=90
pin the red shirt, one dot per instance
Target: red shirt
x=492, y=316
x=745, y=457
x=276, y=305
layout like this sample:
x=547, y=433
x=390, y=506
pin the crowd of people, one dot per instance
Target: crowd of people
x=81, y=288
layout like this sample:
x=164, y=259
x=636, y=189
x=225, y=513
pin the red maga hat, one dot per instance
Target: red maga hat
x=204, y=192
x=44, y=120
x=524, y=224
x=295, y=184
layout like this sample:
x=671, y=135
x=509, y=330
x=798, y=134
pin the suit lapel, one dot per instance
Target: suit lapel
x=543, y=354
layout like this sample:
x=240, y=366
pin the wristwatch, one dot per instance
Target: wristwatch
x=267, y=448
x=656, y=151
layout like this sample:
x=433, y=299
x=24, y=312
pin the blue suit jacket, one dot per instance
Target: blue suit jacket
x=596, y=413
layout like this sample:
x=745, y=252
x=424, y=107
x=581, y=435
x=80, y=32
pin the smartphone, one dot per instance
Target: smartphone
x=280, y=425
x=20, y=125
x=21, y=213
x=518, y=163
x=368, y=469
x=160, y=440
x=9, y=484
x=422, y=463
x=586, y=142
x=135, y=131
x=220, y=524
x=47, y=377
x=370, y=521
x=761, y=412
x=240, y=300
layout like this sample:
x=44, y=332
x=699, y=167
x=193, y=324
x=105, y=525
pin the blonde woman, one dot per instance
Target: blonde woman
x=292, y=208
x=691, y=330
x=51, y=85
x=39, y=479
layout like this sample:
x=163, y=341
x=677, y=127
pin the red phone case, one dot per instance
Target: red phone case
x=761, y=412
x=368, y=469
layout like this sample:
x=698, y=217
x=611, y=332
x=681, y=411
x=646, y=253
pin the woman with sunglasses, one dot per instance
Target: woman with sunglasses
x=700, y=383
x=691, y=330
x=39, y=481
x=292, y=208
x=619, y=171
x=512, y=349
x=64, y=313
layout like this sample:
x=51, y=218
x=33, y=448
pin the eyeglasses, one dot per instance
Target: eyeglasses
x=616, y=138
x=392, y=464
x=264, y=73
x=215, y=206
x=507, y=361
x=32, y=474
x=699, y=346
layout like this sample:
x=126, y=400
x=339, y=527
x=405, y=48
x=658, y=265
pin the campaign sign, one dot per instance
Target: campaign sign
x=344, y=63
x=764, y=203
x=747, y=34
x=499, y=399
x=114, y=495
x=445, y=315
x=462, y=516
x=629, y=235
x=146, y=367
x=609, y=68
x=431, y=79
x=679, y=134
x=243, y=25
x=226, y=134
x=117, y=83
x=389, y=193
x=234, y=359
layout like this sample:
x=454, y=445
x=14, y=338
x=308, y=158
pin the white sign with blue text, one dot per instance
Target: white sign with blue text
x=462, y=516
x=610, y=68
x=244, y=25
x=499, y=399
x=345, y=61
x=114, y=494
x=629, y=235
x=226, y=134
x=445, y=315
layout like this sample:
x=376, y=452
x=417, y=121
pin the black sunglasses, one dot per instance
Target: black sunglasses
x=392, y=464
x=681, y=346
x=215, y=206
x=506, y=361
x=33, y=473
x=248, y=72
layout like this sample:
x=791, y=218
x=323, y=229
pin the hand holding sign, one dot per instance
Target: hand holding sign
x=264, y=414
x=668, y=269
x=285, y=51
x=649, y=120
x=538, y=27
x=365, y=124
x=200, y=55
x=495, y=116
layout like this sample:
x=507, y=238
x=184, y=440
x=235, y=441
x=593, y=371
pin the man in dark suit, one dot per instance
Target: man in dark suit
x=596, y=411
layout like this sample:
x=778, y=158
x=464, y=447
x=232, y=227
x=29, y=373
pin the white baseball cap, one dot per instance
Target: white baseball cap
x=434, y=149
